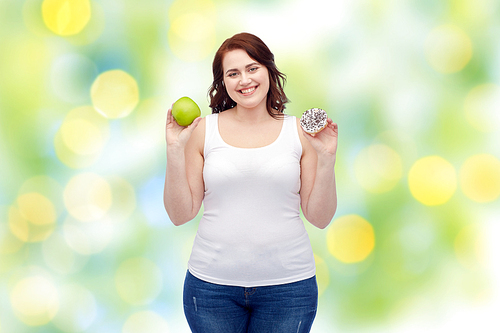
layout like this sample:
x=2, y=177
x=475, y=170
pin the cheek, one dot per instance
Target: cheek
x=226, y=86
x=230, y=90
x=265, y=82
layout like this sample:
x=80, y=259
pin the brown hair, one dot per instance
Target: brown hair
x=258, y=51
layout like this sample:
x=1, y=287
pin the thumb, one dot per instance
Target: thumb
x=193, y=125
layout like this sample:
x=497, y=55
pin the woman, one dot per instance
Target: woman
x=252, y=266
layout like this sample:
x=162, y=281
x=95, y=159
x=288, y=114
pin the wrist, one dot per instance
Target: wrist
x=175, y=149
x=326, y=160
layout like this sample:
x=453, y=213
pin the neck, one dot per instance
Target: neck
x=254, y=115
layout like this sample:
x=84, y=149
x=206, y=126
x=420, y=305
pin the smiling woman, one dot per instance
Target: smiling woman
x=257, y=58
x=252, y=266
x=247, y=86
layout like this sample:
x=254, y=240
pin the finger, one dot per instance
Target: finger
x=332, y=125
x=169, y=116
x=193, y=125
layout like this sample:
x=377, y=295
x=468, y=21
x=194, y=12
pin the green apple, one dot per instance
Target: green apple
x=185, y=111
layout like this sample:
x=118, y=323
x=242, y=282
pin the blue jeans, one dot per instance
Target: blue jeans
x=285, y=308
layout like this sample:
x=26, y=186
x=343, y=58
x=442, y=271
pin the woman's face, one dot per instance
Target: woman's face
x=246, y=81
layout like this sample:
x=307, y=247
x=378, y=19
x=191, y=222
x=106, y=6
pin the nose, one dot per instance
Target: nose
x=245, y=79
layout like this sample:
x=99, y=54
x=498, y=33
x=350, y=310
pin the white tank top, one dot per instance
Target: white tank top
x=251, y=233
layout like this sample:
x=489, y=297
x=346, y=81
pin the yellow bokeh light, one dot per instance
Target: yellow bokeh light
x=33, y=219
x=96, y=211
x=482, y=106
x=448, y=49
x=35, y=300
x=87, y=196
x=69, y=157
x=18, y=225
x=480, y=178
x=94, y=28
x=145, y=321
x=66, y=17
x=350, y=238
x=469, y=247
x=192, y=34
x=322, y=274
x=378, y=168
x=114, y=94
x=77, y=311
x=50, y=188
x=81, y=137
x=432, y=180
x=138, y=281
x=37, y=209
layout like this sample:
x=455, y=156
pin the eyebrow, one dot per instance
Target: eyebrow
x=249, y=65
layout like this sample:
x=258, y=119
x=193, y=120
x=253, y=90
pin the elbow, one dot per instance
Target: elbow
x=173, y=214
x=176, y=219
x=330, y=218
x=177, y=222
x=321, y=221
x=322, y=224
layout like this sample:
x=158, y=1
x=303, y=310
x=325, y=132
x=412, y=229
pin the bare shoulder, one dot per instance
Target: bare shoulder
x=197, y=140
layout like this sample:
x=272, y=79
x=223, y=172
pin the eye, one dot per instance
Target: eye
x=253, y=69
x=232, y=74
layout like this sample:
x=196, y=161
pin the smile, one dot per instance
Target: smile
x=248, y=91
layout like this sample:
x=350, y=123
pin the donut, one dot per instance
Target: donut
x=314, y=120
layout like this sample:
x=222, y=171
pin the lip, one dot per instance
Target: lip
x=248, y=93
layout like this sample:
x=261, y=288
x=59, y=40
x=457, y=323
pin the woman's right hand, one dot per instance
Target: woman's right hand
x=177, y=135
x=184, y=187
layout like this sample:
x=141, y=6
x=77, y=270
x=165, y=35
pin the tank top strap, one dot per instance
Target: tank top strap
x=211, y=128
x=291, y=133
x=289, y=125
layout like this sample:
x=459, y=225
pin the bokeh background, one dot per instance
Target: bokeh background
x=85, y=243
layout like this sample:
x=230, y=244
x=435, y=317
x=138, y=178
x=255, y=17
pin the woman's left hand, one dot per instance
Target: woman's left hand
x=325, y=142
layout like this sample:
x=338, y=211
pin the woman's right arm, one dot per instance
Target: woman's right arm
x=184, y=187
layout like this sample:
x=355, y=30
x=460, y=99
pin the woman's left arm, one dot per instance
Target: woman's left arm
x=318, y=192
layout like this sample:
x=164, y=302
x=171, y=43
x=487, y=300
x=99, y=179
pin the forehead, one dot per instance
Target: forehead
x=236, y=59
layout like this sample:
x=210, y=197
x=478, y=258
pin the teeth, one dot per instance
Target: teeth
x=246, y=91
